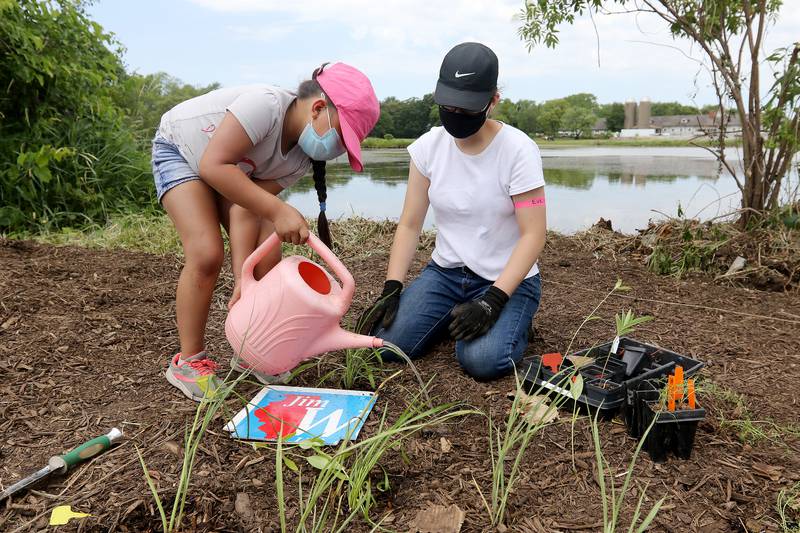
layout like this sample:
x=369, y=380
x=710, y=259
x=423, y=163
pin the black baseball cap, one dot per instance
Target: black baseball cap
x=467, y=77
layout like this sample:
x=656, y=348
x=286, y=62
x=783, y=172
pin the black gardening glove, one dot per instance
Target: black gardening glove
x=383, y=310
x=473, y=319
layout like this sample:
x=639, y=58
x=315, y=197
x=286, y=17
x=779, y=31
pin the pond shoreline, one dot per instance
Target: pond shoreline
x=374, y=143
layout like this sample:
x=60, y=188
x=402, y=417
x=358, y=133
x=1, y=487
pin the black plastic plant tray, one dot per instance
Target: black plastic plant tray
x=654, y=357
x=657, y=363
x=538, y=379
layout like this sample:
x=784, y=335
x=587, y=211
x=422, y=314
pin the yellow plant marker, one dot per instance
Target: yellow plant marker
x=63, y=514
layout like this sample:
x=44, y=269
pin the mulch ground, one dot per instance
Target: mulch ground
x=85, y=336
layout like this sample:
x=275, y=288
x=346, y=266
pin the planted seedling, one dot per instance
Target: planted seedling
x=625, y=323
x=675, y=416
x=529, y=413
x=606, y=384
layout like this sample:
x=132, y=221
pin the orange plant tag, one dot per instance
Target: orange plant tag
x=552, y=361
x=690, y=393
x=670, y=392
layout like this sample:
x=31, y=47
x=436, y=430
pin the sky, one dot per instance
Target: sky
x=400, y=45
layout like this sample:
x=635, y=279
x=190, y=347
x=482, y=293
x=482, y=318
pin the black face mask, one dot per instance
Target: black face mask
x=461, y=125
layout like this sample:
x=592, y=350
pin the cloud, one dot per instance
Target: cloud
x=394, y=41
x=259, y=33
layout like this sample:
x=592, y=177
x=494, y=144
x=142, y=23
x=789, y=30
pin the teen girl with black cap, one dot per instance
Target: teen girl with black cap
x=484, y=180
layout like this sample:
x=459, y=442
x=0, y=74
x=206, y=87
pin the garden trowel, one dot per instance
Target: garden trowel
x=61, y=463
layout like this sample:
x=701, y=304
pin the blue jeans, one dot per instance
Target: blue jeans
x=424, y=316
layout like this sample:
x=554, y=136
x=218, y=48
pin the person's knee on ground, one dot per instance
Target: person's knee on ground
x=484, y=359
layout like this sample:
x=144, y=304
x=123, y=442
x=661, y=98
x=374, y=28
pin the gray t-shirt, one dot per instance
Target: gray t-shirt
x=260, y=109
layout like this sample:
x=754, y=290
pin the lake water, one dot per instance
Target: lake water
x=628, y=186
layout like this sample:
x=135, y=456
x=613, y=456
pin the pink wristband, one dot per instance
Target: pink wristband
x=533, y=202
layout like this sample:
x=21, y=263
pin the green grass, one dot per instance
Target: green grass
x=206, y=412
x=354, y=237
x=372, y=143
x=747, y=429
x=788, y=507
x=344, y=480
x=152, y=233
x=612, y=499
x=507, y=447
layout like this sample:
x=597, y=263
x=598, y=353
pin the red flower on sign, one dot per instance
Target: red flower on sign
x=288, y=412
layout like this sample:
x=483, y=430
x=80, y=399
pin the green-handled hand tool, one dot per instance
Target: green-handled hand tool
x=61, y=463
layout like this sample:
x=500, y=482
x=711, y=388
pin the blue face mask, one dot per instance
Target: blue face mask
x=321, y=147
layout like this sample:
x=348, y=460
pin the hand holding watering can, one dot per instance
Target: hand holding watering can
x=293, y=312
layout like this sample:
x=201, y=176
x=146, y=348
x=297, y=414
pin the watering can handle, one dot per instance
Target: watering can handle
x=348, y=284
x=248, y=280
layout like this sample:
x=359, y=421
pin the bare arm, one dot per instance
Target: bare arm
x=533, y=231
x=218, y=168
x=406, y=238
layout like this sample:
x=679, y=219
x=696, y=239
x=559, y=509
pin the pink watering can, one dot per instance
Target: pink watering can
x=293, y=312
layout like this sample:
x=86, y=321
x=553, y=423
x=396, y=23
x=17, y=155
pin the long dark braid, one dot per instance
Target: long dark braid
x=308, y=89
x=323, y=230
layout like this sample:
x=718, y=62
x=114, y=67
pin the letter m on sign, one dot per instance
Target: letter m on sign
x=332, y=423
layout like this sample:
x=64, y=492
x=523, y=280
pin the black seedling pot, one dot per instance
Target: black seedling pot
x=610, y=368
x=634, y=360
x=672, y=431
x=635, y=397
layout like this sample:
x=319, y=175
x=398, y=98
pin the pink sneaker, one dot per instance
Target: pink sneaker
x=194, y=376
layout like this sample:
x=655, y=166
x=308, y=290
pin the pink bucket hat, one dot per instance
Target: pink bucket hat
x=358, y=108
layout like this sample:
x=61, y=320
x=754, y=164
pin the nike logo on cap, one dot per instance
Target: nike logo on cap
x=461, y=75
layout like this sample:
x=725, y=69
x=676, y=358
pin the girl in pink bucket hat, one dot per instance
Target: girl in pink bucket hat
x=222, y=159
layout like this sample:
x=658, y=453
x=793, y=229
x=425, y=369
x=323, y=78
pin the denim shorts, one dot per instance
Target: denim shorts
x=170, y=169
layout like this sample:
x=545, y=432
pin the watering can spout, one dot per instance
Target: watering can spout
x=343, y=340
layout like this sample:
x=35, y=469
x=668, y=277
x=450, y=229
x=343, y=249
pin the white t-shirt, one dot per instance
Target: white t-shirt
x=260, y=109
x=471, y=197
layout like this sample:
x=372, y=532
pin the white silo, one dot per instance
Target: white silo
x=643, y=116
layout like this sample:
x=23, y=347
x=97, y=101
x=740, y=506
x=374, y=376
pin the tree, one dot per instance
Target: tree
x=527, y=116
x=614, y=115
x=67, y=153
x=412, y=116
x=146, y=97
x=506, y=111
x=578, y=121
x=661, y=109
x=385, y=124
x=730, y=34
x=550, y=116
x=585, y=101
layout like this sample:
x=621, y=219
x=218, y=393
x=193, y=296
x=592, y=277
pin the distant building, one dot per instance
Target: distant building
x=643, y=114
x=640, y=123
x=630, y=115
